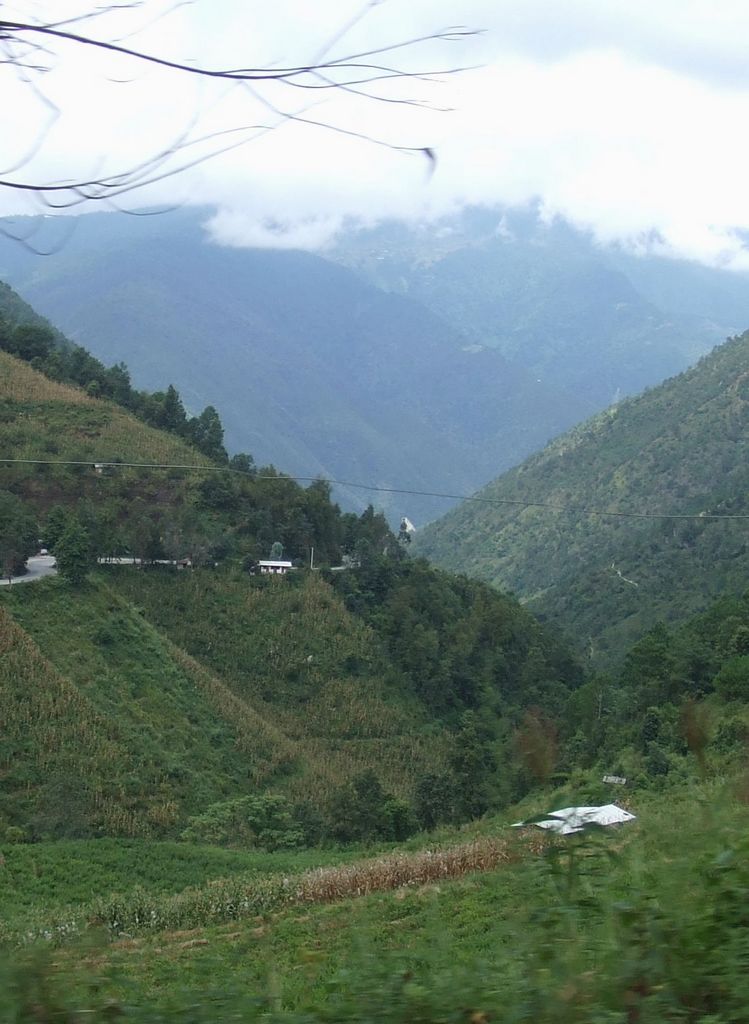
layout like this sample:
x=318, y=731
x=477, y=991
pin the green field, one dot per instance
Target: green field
x=52, y=876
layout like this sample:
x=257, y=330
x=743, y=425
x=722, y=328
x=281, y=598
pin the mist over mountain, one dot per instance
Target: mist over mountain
x=417, y=357
x=601, y=321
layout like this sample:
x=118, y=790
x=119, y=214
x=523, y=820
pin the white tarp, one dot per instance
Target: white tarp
x=573, y=819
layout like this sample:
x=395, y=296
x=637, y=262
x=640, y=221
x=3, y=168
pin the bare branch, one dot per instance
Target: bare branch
x=26, y=46
x=8, y=29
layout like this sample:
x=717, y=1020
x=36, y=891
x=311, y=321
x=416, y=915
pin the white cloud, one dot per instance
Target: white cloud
x=627, y=118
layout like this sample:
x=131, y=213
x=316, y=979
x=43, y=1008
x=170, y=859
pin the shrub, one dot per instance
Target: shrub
x=265, y=822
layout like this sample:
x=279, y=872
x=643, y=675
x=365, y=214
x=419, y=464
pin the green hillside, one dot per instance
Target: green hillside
x=42, y=418
x=105, y=733
x=139, y=736
x=155, y=513
x=482, y=923
x=201, y=687
x=678, y=448
x=357, y=704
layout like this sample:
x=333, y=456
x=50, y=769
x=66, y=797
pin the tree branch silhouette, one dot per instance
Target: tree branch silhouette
x=31, y=48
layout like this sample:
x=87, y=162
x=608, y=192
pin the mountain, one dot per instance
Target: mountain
x=423, y=357
x=678, y=448
x=151, y=716
x=593, y=319
x=312, y=367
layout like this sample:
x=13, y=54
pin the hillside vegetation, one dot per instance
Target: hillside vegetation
x=215, y=704
x=210, y=688
x=155, y=513
x=42, y=418
x=593, y=928
x=106, y=732
x=679, y=448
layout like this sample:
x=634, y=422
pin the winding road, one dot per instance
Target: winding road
x=37, y=567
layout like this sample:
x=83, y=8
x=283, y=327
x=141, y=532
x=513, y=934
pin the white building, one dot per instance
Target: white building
x=274, y=567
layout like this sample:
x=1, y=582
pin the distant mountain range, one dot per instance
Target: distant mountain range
x=425, y=359
x=599, y=321
x=681, y=448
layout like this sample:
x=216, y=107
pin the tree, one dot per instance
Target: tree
x=264, y=821
x=32, y=46
x=363, y=811
x=171, y=415
x=57, y=520
x=207, y=434
x=243, y=463
x=474, y=767
x=18, y=534
x=732, y=682
x=434, y=799
x=30, y=341
x=74, y=552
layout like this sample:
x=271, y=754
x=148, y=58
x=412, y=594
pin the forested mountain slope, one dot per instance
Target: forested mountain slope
x=311, y=366
x=679, y=448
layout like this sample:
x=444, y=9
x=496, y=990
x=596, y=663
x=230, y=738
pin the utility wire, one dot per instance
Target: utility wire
x=515, y=502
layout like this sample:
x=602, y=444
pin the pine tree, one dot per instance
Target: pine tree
x=173, y=416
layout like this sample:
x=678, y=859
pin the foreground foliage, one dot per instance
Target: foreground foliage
x=595, y=927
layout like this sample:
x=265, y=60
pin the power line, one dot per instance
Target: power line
x=512, y=502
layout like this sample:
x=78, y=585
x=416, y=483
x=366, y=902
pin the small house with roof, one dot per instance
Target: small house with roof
x=274, y=566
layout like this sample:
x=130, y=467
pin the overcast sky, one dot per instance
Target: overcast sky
x=628, y=118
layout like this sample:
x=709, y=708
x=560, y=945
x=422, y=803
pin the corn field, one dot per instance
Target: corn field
x=241, y=897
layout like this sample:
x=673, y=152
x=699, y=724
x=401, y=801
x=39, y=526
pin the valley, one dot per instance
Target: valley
x=426, y=357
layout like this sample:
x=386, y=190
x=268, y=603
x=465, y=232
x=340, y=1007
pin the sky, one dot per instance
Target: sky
x=626, y=118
